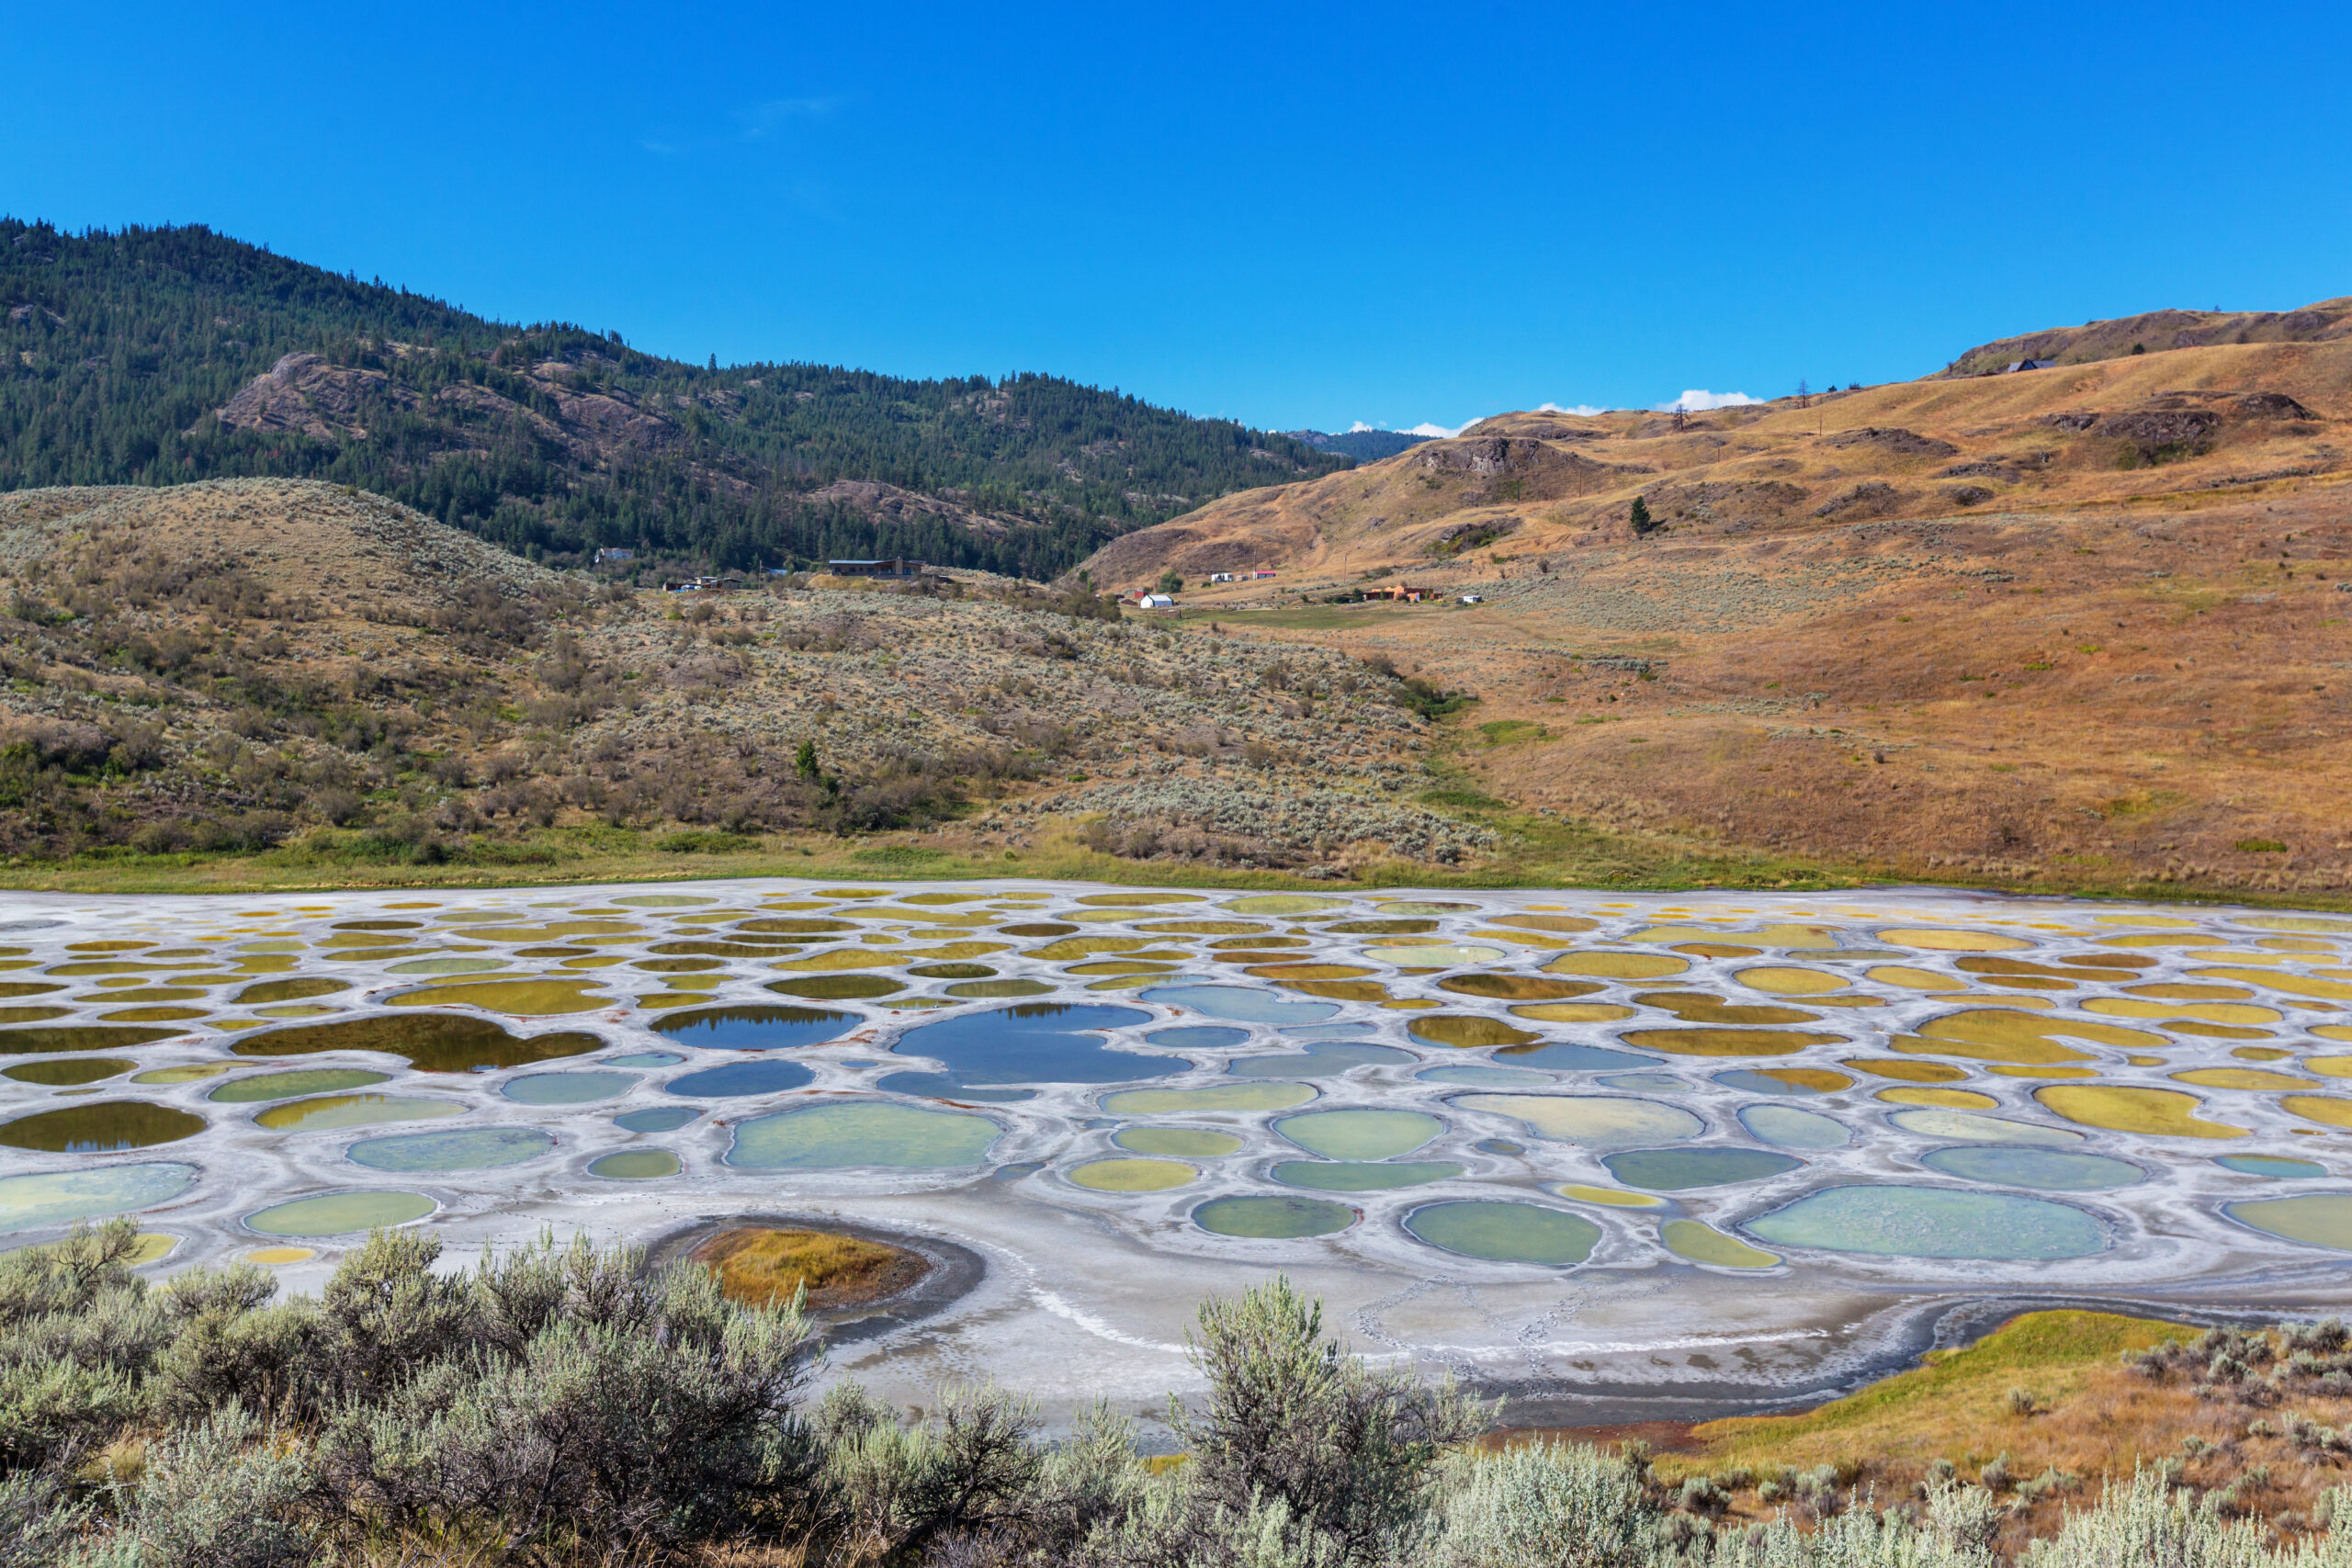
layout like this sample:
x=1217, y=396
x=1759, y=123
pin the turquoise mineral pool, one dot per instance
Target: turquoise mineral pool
x=656, y=1119
x=947, y=1086
x=568, y=1088
x=1240, y=1004
x=1273, y=1219
x=1036, y=1042
x=1785, y=1126
x=1934, y=1222
x=2271, y=1164
x=741, y=1077
x=1485, y=1077
x=1329, y=1030
x=1968, y=1127
x=105, y=1127
x=466, y=1148
x=1191, y=1142
x=771, y=1027
x=1361, y=1176
x=634, y=1165
x=49, y=1198
x=1594, y=1120
x=260, y=1086
x=2046, y=1171
x=863, y=1133
x=1321, y=1060
x=1644, y=1083
x=1676, y=1170
x=2321, y=1219
x=1360, y=1134
x=644, y=1059
x=1506, y=1233
x=1198, y=1037
x=339, y=1213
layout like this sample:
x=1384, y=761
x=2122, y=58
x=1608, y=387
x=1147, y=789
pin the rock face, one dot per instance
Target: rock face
x=1903, y=443
x=888, y=503
x=303, y=394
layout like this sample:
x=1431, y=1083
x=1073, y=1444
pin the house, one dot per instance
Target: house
x=896, y=568
x=613, y=553
x=1220, y=577
x=702, y=585
x=1394, y=591
x=1262, y=571
x=1472, y=598
x=1156, y=601
x=2017, y=365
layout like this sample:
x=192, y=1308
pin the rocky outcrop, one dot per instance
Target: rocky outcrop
x=305, y=395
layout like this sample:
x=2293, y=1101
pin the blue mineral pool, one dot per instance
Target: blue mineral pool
x=1036, y=1042
x=1484, y=1077
x=1361, y=1176
x=656, y=1119
x=1675, y=1170
x=1198, y=1037
x=1644, y=1083
x=1322, y=1060
x=1933, y=1222
x=2047, y=1170
x=568, y=1088
x=1273, y=1219
x=947, y=1086
x=644, y=1059
x=467, y=1148
x=60, y=1197
x=773, y=1026
x=1329, y=1030
x=2271, y=1164
x=741, y=1077
x=1506, y=1233
x=1240, y=1004
x=1568, y=1056
x=1748, y=1080
x=863, y=1133
x=1785, y=1126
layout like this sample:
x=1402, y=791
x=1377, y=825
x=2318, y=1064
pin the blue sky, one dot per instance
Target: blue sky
x=1292, y=217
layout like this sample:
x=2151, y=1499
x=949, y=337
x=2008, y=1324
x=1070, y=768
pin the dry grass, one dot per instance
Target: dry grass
x=2091, y=1418
x=763, y=1268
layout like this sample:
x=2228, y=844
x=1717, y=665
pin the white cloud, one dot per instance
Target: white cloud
x=1439, y=430
x=1582, y=411
x=1698, y=401
x=1360, y=425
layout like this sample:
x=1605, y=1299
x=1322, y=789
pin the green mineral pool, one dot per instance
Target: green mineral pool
x=339, y=1213
x=262, y=1087
x=1273, y=1219
x=635, y=1164
x=65, y=1072
x=294, y=988
x=1704, y=1243
x=863, y=1133
x=2244, y=1165
x=1132, y=1175
x=1184, y=1143
x=1787, y=1127
x=339, y=1112
x=1896, y=1220
x=1676, y=1171
x=1594, y=1120
x=186, y=1072
x=519, y=999
x=467, y=1148
x=1360, y=1134
x=1506, y=1233
x=103, y=1127
x=2321, y=1219
x=433, y=1041
x=43, y=1199
x=1361, y=1176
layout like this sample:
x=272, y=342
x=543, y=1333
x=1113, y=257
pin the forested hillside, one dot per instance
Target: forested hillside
x=162, y=356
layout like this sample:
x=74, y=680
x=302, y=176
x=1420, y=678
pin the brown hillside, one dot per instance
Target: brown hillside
x=2084, y=625
x=2329, y=320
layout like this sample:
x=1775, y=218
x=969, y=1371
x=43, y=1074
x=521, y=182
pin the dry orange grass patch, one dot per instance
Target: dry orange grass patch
x=764, y=1268
x=2047, y=1392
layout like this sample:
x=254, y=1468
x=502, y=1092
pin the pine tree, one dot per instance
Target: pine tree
x=804, y=762
x=1640, y=516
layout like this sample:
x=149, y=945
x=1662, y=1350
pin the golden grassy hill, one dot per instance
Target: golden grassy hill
x=2085, y=626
